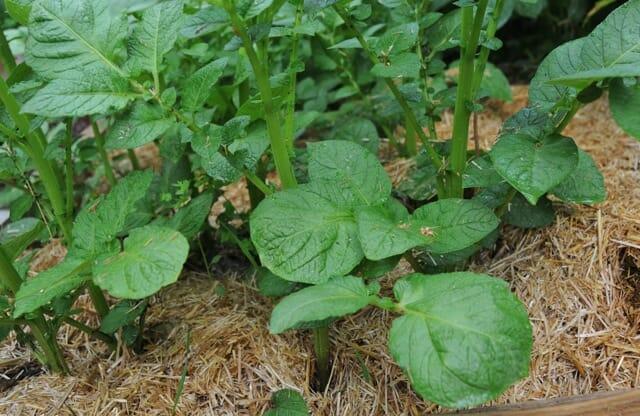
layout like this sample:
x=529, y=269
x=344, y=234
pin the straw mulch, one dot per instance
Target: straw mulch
x=578, y=278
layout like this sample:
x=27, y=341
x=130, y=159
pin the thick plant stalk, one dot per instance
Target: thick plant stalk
x=483, y=58
x=279, y=146
x=108, y=169
x=322, y=348
x=39, y=328
x=289, y=125
x=35, y=149
x=68, y=167
x=471, y=27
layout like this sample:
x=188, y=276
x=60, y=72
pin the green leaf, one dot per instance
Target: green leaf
x=454, y=224
x=154, y=36
x=56, y=281
x=273, y=286
x=17, y=236
x=88, y=93
x=198, y=86
x=464, y=337
x=446, y=33
x=624, y=102
x=152, y=259
x=66, y=36
x=585, y=184
x=611, y=50
x=358, y=130
x=206, y=20
x=19, y=10
x=533, y=165
x=302, y=235
x=352, y=168
x=562, y=61
x=524, y=215
x=387, y=230
x=288, y=402
x=123, y=314
x=190, y=219
x=480, y=173
x=403, y=65
x=100, y=222
x=335, y=298
x=145, y=124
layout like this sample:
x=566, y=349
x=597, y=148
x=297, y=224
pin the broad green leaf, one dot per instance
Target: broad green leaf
x=464, y=337
x=359, y=130
x=317, y=5
x=585, y=184
x=302, y=235
x=562, y=61
x=145, y=124
x=396, y=40
x=352, y=168
x=206, y=20
x=152, y=259
x=198, y=86
x=190, y=219
x=154, y=36
x=100, y=222
x=405, y=65
x=273, y=286
x=17, y=236
x=521, y=213
x=66, y=36
x=337, y=297
x=123, y=314
x=446, y=33
x=288, y=402
x=612, y=50
x=387, y=230
x=624, y=102
x=480, y=173
x=533, y=165
x=56, y=281
x=454, y=224
x=89, y=93
x=19, y=10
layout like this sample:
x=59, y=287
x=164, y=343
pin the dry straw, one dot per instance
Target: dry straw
x=578, y=278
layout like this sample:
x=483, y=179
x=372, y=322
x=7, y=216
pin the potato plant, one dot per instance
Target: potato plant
x=233, y=89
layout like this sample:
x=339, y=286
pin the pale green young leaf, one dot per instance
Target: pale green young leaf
x=454, y=224
x=66, y=36
x=198, y=86
x=19, y=10
x=624, y=102
x=352, y=168
x=143, y=125
x=464, y=337
x=533, y=165
x=585, y=184
x=154, y=36
x=46, y=286
x=100, y=222
x=302, y=235
x=88, y=93
x=337, y=297
x=152, y=259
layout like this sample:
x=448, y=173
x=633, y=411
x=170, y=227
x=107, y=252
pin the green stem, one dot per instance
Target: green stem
x=412, y=121
x=279, y=146
x=322, y=347
x=108, y=169
x=110, y=341
x=7, y=58
x=289, y=124
x=68, y=164
x=35, y=146
x=99, y=301
x=410, y=139
x=11, y=280
x=135, y=163
x=470, y=37
x=483, y=58
x=575, y=107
